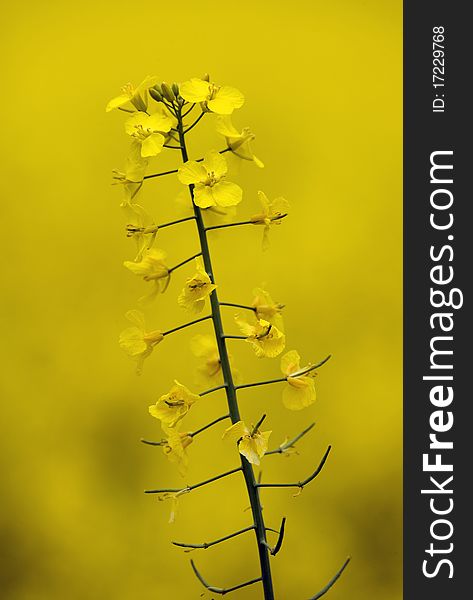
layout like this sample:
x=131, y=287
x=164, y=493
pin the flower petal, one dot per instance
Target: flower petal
x=195, y=90
x=297, y=397
x=132, y=342
x=215, y=163
x=236, y=431
x=227, y=193
x=290, y=362
x=152, y=145
x=204, y=196
x=226, y=100
x=137, y=119
x=137, y=318
x=117, y=102
x=159, y=121
x=247, y=447
x=192, y=172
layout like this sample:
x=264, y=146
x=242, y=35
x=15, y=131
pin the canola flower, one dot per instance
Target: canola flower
x=205, y=348
x=238, y=142
x=208, y=179
x=252, y=444
x=267, y=309
x=300, y=391
x=149, y=131
x=222, y=100
x=175, y=448
x=132, y=178
x=265, y=339
x=173, y=497
x=133, y=97
x=197, y=289
x=140, y=227
x=273, y=211
x=136, y=341
x=152, y=267
x=173, y=406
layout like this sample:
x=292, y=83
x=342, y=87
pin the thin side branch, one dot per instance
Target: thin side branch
x=218, y=590
x=151, y=443
x=160, y=174
x=189, y=488
x=229, y=225
x=131, y=229
x=242, y=223
x=331, y=582
x=192, y=434
x=194, y=123
x=184, y=262
x=184, y=114
x=214, y=389
x=291, y=443
x=299, y=484
x=206, y=545
x=211, y=424
x=186, y=325
x=281, y=379
x=247, y=385
x=277, y=547
x=238, y=306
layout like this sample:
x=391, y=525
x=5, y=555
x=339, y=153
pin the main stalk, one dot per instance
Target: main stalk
x=247, y=469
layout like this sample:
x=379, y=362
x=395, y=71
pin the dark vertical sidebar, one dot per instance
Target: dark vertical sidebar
x=438, y=357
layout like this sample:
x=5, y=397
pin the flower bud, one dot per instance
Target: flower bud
x=167, y=92
x=206, y=77
x=175, y=89
x=155, y=95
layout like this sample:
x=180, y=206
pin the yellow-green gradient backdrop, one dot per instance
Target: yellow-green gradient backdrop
x=323, y=88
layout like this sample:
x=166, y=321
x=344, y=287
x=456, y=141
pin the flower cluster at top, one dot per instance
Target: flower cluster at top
x=156, y=115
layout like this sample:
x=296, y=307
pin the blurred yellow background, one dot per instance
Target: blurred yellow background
x=323, y=87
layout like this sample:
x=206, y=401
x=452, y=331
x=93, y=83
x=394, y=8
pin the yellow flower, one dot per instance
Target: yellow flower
x=266, y=339
x=300, y=389
x=205, y=347
x=273, y=213
x=175, y=448
x=197, y=289
x=210, y=371
x=207, y=177
x=136, y=341
x=140, y=227
x=138, y=97
x=267, y=309
x=174, y=497
x=152, y=268
x=173, y=406
x=239, y=143
x=218, y=99
x=132, y=178
x=149, y=131
x=251, y=444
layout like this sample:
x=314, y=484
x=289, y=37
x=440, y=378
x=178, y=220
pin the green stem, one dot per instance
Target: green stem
x=189, y=488
x=250, y=481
